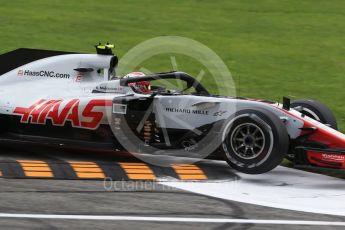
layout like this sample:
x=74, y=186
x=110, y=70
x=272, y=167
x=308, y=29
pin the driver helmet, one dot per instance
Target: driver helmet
x=141, y=86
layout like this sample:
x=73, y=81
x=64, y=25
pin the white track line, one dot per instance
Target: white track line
x=172, y=219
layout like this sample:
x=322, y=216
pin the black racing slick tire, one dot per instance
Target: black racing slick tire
x=255, y=141
x=315, y=110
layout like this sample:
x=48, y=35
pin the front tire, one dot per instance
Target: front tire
x=315, y=110
x=255, y=141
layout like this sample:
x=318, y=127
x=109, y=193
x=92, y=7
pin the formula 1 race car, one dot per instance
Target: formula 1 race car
x=71, y=100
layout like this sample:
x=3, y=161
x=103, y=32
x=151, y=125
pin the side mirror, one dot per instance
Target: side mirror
x=286, y=103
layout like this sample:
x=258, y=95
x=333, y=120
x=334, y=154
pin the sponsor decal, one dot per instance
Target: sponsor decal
x=334, y=157
x=42, y=73
x=219, y=113
x=111, y=88
x=87, y=116
x=20, y=72
x=115, y=89
x=78, y=78
x=188, y=111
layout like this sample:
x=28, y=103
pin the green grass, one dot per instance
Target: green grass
x=273, y=48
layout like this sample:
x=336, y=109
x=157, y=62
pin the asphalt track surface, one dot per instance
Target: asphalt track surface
x=128, y=198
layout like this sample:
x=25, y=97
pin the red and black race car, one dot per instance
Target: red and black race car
x=75, y=100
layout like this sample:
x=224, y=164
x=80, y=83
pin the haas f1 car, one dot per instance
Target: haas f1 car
x=71, y=100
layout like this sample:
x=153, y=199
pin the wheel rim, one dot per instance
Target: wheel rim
x=311, y=114
x=247, y=141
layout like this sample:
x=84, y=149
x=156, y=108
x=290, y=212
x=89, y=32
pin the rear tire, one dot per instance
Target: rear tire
x=255, y=141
